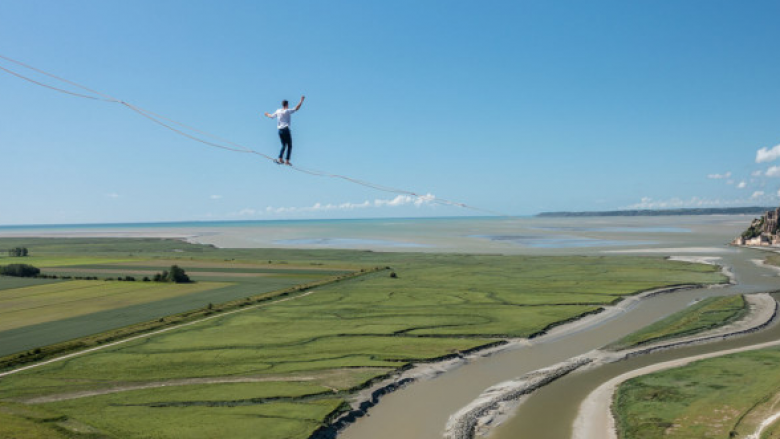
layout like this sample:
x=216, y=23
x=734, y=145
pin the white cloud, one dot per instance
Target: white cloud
x=674, y=203
x=773, y=171
x=719, y=176
x=696, y=202
x=755, y=174
x=400, y=200
x=768, y=155
x=112, y=195
x=742, y=185
x=215, y=197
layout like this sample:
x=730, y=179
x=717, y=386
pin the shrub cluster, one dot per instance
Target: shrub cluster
x=17, y=252
x=755, y=229
x=19, y=270
x=175, y=275
x=54, y=276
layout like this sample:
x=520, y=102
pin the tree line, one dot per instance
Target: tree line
x=18, y=252
x=175, y=274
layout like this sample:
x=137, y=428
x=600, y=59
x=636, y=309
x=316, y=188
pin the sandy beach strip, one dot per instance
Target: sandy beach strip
x=161, y=234
x=673, y=250
x=761, y=263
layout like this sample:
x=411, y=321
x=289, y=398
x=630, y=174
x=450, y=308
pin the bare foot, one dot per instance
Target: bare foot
x=288, y=163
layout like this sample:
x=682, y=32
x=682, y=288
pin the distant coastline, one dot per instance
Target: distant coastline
x=752, y=210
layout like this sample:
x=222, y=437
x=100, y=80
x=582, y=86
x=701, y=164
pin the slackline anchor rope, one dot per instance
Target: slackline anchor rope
x=181, y=129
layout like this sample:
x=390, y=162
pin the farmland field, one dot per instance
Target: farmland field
x=40, y=312
x=21, y=307
x=283, y=367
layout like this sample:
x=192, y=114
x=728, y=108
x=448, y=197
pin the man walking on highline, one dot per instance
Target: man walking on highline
x=282, y=116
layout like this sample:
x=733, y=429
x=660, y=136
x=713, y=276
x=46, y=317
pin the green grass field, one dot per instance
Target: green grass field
x=21, y=307
x=301, y=358
x=7, y=282
x=689, y=402
x=55, y=261
x=41, y=312
x=706, y=314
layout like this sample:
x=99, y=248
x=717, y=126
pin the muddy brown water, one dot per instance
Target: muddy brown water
x=421, y=410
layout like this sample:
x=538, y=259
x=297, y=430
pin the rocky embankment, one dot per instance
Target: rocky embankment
x=475, y=419
x=371, y=394
x=480, y=414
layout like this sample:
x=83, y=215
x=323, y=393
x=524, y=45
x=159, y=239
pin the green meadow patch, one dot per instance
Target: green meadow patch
x=55, y=301
x=688, y=402
x=701, y=316
x=39, y=312
x=59, y=261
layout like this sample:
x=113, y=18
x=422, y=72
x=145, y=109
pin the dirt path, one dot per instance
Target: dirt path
x=150, y=334
x=158, y=384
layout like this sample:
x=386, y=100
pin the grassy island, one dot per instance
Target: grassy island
x=699, y=317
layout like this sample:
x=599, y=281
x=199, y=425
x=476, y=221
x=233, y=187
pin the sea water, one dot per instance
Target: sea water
x=509, y=235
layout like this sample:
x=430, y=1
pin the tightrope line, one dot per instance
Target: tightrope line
x=169, y=123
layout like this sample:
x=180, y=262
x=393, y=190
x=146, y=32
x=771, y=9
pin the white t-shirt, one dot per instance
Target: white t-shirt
x=282, y=116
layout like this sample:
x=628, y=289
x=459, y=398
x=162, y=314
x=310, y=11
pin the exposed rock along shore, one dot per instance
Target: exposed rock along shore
x=477, y=417
x=763, y=231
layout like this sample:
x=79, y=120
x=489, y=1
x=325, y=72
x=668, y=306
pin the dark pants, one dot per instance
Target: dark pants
x=286, y=138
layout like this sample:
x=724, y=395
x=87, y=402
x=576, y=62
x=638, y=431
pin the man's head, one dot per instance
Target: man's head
x=285, y=104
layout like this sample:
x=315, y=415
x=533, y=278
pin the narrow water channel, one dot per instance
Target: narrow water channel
x=550, y=412
x=420, y=411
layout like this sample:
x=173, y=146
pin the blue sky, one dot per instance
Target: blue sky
x=515, y=106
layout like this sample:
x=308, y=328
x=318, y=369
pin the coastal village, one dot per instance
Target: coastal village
x=762, y=231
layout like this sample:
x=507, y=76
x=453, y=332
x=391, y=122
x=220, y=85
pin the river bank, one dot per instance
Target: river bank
x=595, y=419
x=498, y=402
x=495, y=404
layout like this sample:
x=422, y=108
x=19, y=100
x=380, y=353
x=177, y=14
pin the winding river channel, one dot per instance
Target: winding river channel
x=421, y=410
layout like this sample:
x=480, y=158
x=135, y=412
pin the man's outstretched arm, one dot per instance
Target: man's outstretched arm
x=270, y=115
x=298, y=107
